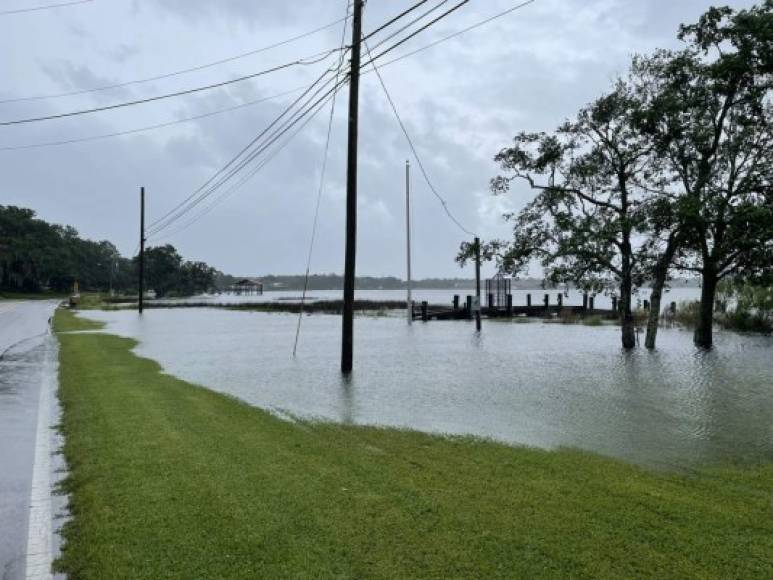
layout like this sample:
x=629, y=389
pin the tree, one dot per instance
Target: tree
x=163, y=267
x=196, y=277
x=709, y=115
x=581, y=224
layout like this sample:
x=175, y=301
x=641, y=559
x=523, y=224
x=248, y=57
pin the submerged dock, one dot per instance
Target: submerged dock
x=504, y=308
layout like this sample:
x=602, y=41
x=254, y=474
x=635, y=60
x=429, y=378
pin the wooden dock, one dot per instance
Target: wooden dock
x=458, y=311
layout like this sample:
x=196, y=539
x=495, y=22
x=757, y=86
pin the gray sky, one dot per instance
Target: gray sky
x=462, y=101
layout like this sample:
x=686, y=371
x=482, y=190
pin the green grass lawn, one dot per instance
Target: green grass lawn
x=171, y=480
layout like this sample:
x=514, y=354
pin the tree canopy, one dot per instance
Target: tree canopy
x=36, y=255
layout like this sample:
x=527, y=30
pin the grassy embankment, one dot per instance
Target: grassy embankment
x=171, y=480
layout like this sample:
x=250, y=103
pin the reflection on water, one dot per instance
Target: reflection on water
x=544, y=385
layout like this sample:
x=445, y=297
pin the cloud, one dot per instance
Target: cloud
x=461, y=101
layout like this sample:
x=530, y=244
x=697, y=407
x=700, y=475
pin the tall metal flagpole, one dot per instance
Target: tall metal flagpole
x=408, y=236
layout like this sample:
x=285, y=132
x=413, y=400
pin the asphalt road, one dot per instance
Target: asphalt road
x=25, y=348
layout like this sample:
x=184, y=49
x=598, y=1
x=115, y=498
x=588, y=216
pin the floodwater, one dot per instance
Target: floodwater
x=536, y=384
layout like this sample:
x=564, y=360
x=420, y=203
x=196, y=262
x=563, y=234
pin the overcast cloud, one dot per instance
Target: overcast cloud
x=462, y=101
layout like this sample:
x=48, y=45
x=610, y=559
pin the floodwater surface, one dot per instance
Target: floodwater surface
x=536, y=384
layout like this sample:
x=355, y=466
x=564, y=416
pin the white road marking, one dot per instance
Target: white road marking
x=39, y=539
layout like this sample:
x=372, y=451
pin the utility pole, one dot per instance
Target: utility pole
x=347, y=338
x=408, y=235
x=477, y=283
x=142, y=248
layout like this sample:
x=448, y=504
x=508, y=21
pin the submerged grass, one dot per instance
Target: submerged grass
x=171, y=480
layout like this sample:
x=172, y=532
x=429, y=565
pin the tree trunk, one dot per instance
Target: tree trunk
x=653, y=319
x=658, y=283
x=626, y=316
x=704, y=330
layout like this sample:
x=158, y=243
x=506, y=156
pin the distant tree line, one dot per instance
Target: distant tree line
x=36, y=255
x=336, y=282
x=668, y=172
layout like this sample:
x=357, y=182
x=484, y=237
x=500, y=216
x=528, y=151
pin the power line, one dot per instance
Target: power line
x=443, y=202
x=392, y=20
x=416, y=32
x=411, y=23
x=459, y=32
x=182, y=208
x=300, y=62
x=385, y=64
x=271, y=140
x=150, y=127
x=244, y=179
x=203, y=192
x=172, y=215
x=175, y=73
x=46, y=7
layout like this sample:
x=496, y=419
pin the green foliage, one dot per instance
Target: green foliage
x=673, y=167
x=747, y=306
x=37, y=256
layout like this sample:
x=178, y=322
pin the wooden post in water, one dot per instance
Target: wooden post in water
x=477, y=283
x=528, y=300
x=424, y=314
x=546, y=300
x=468, y=306
x=509, y=304
x=456, y=302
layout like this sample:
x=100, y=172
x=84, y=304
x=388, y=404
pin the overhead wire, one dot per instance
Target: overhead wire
x=416, y=32
x=320, y=189
x=406, y=26
x=39, y=8
x=200, y=195
x=278, y=133
x=205, y=189
x=244, y=149
x=178, y=72
x=151, y=127
x=459, y=32
x=314, y=59
x=431, y=186
x=382, y=65
x=227, y=193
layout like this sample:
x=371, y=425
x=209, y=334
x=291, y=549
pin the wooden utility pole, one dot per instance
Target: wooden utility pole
x=347, y=338
x=142, y=248
x=408, y=236
x=477, y=282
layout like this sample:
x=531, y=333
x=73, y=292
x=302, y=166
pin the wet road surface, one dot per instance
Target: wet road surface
x=26, y=349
